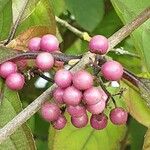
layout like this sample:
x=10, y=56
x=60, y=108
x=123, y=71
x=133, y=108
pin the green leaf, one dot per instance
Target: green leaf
x=127, y=10
x=71, y=138
x=10, y=106
x=5, y=18
x=146, y=145
x=87, y=13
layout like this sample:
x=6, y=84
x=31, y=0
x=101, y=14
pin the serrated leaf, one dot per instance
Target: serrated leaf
x=146, y=145
x=10, y=106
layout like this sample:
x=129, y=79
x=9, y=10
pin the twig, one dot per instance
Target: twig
x=31, y=109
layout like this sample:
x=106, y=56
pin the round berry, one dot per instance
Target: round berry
x=112, y=70
x=99, y=121
x=7, y=68
x=44, y=61
x=104, y=95
x=34, y=44
x=15, y=81
x=92, y=96
x=60, y=123
x=118, y=116
x=58, y=95
x=63, y=78
x=82, y=80
x=50, y=111
x=98, y=44
x=72, y=96
x=76, y=111
x=97, y=108
x=80, y=122
x=49, y=43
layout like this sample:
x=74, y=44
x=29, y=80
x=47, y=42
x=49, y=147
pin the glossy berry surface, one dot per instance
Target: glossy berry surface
x=112, y=70
x=99, y=121
x=80, y=122
x=82, y=80
x=49, y=43
x=76, y=111
x=92, y=96
x=72, y=96
x=58, y=95
x=15, y=81
x=98, y=44
x=63, y=78
x=118, y=116
x=50, y=111
x=44, y=61
x=60, y=123
x=7, y=68
x=34, y=44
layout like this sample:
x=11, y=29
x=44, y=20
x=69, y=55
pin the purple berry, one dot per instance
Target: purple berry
x=49, y=43
x=104, y=95
x=60, y=123
x=72, y=96
x=80, y=122
x=99, y=122
x=34, y=44
x=92, y=96
x=98, y=44
x=50, y=111
x=58, y=95
x=76, y=111
x=44, y=61
x=112, y=70
x=97, y=108
x=15, y=81
x=118, y=116
x=63, y=78
x=82, y=80
x=7, y=68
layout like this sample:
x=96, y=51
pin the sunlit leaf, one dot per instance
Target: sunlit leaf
x=146, y=145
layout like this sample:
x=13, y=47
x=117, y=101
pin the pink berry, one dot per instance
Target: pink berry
x=34, y=44
x=112, y=70
x=72, y=96
x=44, y=61
x=15, y=81
x=50, y=111
x=7, y=68
x=99, y=122
x=98, y=44
x=76, y=111
x=60, y=123
x=58, y=95
x=80, y=122
x=97, y=108
x=63, y=78
x=82, y=80
x=49, y=43
x=104, y=95
x=92, y=96
x=118, y=116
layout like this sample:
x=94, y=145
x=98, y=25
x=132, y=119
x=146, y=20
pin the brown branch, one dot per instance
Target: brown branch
x=31, y=109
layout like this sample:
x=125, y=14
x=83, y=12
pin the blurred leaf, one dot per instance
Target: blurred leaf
x=127, y=10
x=10, y=106
x=146, y=145
x=5, y=18
x=87, y=13
x=71, y=138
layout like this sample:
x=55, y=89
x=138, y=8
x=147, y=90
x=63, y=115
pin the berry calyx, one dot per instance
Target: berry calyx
x=15, y=81
x=49, y=43
x=58, y=95
x=7, y=68
x=50, y=111
x=112, y=70
x=99, y=121
x=118, y=116
x=98, y=44
x=63, y=78
x=44, y=61
x=34, y=44
x=82, y=80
